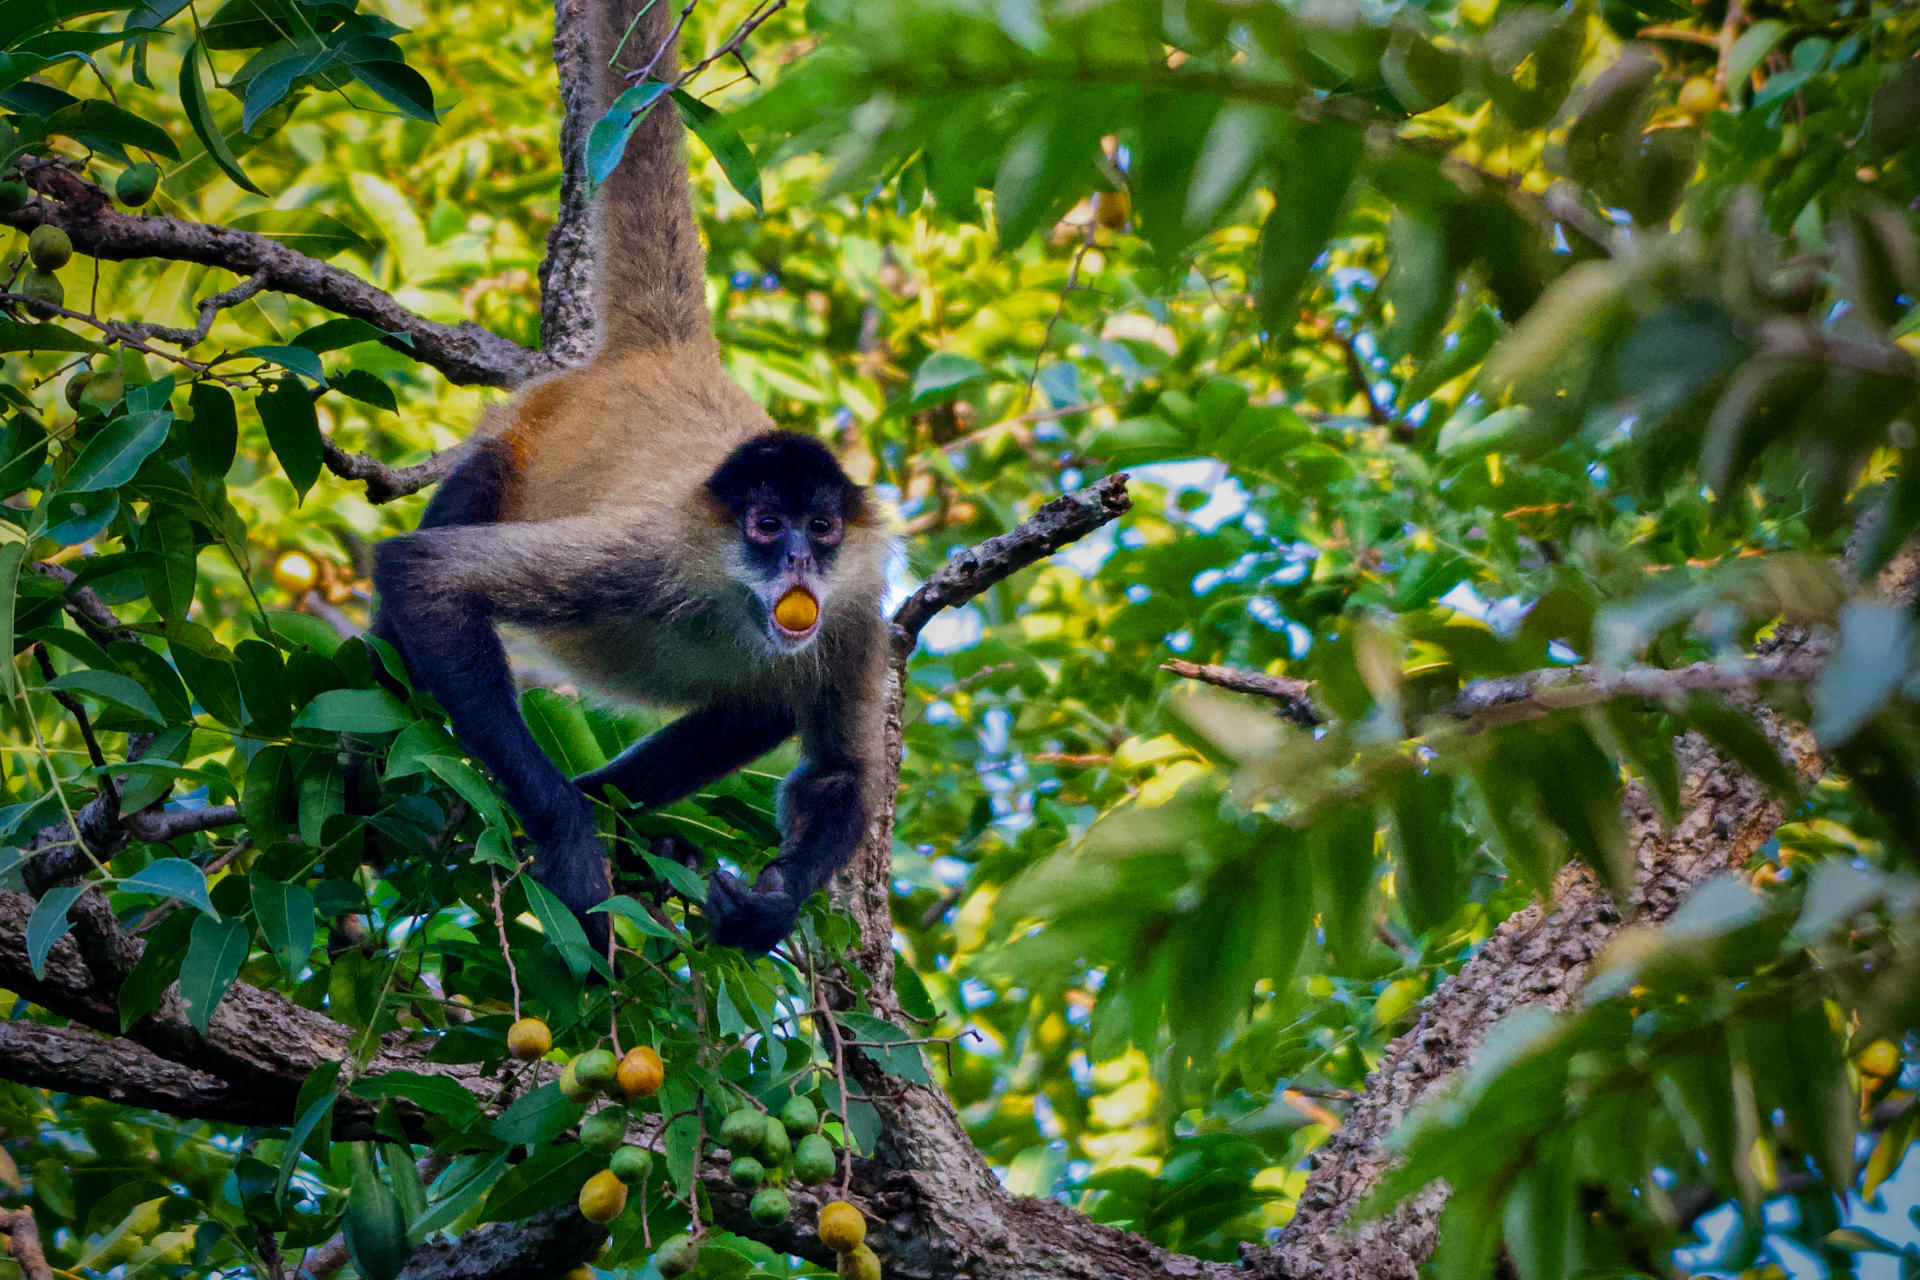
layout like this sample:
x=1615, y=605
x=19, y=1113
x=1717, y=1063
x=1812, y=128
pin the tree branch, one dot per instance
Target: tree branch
x=465, y=353
x=23, y=1242
x=1290, y=693
x=1064, y=520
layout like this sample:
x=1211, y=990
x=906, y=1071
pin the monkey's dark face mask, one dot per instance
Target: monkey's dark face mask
x=792, y=504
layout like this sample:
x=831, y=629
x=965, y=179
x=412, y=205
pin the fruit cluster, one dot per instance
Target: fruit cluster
x=766, y=1150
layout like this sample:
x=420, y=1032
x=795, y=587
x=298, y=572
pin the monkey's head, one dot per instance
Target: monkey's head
x=792, y=507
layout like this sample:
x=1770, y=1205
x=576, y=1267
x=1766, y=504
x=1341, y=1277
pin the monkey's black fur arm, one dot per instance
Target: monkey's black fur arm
x=698, y=748
x=452, y=651
x=823, y=815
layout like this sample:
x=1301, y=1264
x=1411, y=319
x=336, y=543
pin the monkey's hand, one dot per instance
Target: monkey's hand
x=752, y=919
x=574, y=870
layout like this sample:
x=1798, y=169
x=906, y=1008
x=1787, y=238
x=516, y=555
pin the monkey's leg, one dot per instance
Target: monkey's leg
x=441, y=590
x=700, y=747
x=824, y=819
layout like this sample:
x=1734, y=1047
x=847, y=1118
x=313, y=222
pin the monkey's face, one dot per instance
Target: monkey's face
x=791, y=504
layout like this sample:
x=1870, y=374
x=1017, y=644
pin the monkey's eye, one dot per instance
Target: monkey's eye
x=763, y=526
x=824, y=529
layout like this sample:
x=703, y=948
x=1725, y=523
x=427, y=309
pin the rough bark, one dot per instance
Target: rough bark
x=568, y=323
x=465, y=352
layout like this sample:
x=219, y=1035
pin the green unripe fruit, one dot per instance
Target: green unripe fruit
x=743, y=1131
x=800, y=1116
x=596, y=1070
x=605, y=1129
x=677, y=1256
x=42, y=286
x=570, y=1083
x=631, y=1164
x=14, y=195
x=50, y=248
x=136, y=185
x=775, y=1145
x=813, y=1161
x=770, y=1206
x=75, y=385
x=747, y=1172
x=103, y=392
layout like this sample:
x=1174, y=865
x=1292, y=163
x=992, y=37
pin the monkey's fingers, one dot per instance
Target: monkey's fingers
x=752, y=919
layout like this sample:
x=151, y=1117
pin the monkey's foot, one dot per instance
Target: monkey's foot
x=751, y=919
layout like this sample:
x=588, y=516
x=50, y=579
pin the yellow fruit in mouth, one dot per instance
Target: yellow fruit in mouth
x=797, y=610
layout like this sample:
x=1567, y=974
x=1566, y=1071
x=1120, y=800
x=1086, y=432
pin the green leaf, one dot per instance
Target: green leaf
x=1429, y=856
x=365, y=387
x=724, y=141
x=20, y=335
x=438, y=1095
x=469, y=786
x=294, y=359
x=628, y=909
x=114, y=689
x=48, y=924
x=284, y=913
x=172, y=878
x=685, y=882
x=213, y=433
x=365, y=711
x=108, y=128
x=538, y=1116
x=1311, y=191
x=944, y=375
x=342, y=331
x=1752, y=48
x=12, y=555
x=311, y=1131
x=562, y=930
x=318, y=235
x=214, y=955
x=293, y=430
x=193, y=100
x=882, y=1044
x=375, y=1229
x=378, y=65
x=607, y=139
x=1867, y=669
x=550, y=1176
x=111, y=457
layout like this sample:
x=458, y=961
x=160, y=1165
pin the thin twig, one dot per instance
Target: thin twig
x=1289, y=692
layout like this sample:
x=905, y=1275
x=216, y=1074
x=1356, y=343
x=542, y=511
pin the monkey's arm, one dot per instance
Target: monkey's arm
x=441, y=589
x=698, y=748
x=825, y=806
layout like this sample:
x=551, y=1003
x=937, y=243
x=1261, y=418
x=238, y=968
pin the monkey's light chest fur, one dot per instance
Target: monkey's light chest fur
x=674, y=624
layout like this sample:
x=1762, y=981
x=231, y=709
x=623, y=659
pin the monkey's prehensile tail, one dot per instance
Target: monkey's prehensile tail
x=651, y=290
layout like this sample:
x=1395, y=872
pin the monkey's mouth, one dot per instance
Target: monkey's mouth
x=796, y=616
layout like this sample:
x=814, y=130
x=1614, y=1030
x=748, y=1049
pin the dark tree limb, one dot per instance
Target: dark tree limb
x=569, y=325
x=23, y=1243
x=1064, y=520
x=73, y=1060
x=385, y=483
x=465, y=353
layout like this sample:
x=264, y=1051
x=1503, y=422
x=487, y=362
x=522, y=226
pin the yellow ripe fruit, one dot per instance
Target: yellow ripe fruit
x=295, y=572
x=603, y=1197
x=1111, y=209
x=641, y=1072
x=581, y=1272
x=1698, y=97
x=860, y=1263
x=842, y=1228
x=1881, y=1058
x=528, y=1039
x=797, y=610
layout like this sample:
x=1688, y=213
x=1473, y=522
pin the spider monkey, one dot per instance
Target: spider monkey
x=645, y=522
